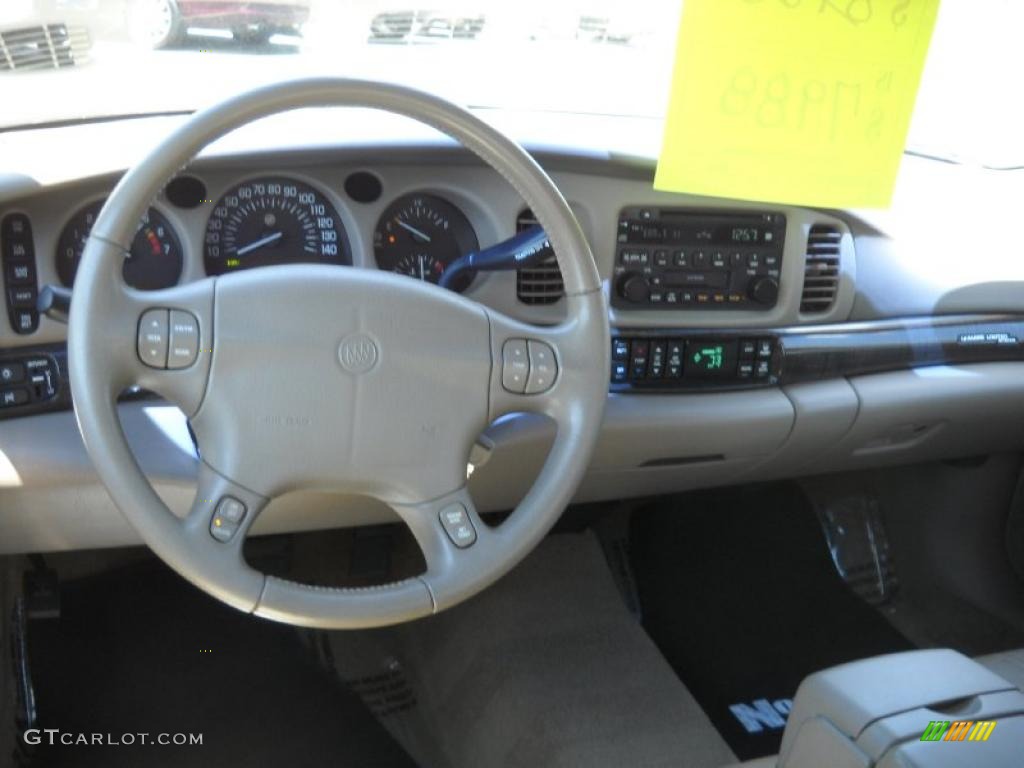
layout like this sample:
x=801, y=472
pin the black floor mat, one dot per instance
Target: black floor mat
x=738, y=591
x=142, y=651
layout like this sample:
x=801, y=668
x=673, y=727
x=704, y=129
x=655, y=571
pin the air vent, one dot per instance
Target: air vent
x=49, y=46
x=821, y=269
x=541, y=284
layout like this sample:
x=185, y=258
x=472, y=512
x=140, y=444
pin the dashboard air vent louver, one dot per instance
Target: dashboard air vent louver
x=821, y=268
x=541, y=284
x=48, y=46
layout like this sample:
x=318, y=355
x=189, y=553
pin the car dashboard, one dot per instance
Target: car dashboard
x=749, y=341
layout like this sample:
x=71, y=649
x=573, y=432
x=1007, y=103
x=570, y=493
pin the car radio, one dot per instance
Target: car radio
x=674, y=258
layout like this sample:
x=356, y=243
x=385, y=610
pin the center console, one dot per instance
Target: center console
x=922, y=708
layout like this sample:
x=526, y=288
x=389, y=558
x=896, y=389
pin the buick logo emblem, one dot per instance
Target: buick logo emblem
x=357, y=353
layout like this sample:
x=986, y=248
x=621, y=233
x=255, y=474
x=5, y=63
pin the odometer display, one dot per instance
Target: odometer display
x=155, y=259
x=273, y=221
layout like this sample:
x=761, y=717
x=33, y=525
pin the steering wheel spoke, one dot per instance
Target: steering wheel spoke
x=222, y=512
x=157, y=340
x=538, y=369
x=454, y=540
x=443, y=527
x=206, y=545
x=172, y=347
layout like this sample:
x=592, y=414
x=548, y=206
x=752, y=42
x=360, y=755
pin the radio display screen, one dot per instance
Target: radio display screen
x=685, y=228
x=710, y=359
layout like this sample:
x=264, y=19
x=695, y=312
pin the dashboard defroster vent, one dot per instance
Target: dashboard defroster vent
x=541, y=284
x=821, y=268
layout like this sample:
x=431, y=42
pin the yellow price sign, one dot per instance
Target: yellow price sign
x=794, y=101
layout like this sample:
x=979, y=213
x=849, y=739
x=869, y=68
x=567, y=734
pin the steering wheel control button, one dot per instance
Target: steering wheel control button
x=183, y=347
x=543, y=367
x=227, y=518
x=458, y=526
x=153, y=338
x=515, y=366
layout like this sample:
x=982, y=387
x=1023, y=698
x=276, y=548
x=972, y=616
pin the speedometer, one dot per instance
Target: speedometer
x=273, y=221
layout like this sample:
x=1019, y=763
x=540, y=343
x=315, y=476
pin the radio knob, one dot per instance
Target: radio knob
x=635, y=289
x=764, y=290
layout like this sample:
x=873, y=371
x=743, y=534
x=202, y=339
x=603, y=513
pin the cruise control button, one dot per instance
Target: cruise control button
x=543, y=367
x=12, y=397
x=764, y=348
x=620, y=372
x=11, y=373
x=183, y=347
x=456, y=523
x=152, y=342
x=227, y=518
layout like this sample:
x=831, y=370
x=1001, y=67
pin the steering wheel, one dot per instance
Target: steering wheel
x=311, y=376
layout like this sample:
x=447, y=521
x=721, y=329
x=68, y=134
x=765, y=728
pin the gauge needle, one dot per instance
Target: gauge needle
x=259, y=243
x=422, y=274
x=409, y=228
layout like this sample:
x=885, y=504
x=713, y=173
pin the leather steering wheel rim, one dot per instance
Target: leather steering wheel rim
x=258, y=440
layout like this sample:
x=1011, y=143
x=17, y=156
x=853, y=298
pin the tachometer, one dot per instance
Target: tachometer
x=420, y=235
x=155, y=258
x=273, y=221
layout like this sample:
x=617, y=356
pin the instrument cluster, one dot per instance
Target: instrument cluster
x=271, y=220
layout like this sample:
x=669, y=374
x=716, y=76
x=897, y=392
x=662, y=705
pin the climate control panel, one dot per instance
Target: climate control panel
x=658, y=361
x=673, y=258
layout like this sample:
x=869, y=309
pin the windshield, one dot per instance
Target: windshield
x=81, y=59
